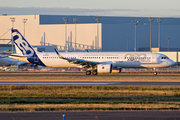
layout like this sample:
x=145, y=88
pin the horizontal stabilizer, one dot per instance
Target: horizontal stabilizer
x=14, y=55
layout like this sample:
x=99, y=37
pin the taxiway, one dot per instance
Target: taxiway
x=95, y=83
x=92, y=115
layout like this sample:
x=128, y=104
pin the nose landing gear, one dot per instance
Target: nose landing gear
x=155, y=73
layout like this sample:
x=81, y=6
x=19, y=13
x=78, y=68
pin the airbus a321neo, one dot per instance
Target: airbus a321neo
x=94, y=62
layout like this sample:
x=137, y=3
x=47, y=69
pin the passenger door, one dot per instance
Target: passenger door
x=154, y=58
x=120, y=58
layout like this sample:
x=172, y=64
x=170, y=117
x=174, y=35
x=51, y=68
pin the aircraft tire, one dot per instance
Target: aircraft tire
x=95, y=72
x=155, y=73
x=88, y=72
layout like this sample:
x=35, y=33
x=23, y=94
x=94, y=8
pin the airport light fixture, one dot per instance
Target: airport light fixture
x=65, y=20
x=168, y=43
x=97, y=18
x=159, y=21
x=75, y=21
x=150, y=20
x=127, y=38
x=12, y=20
x=24, y=21
x=12, y=42
x=135, y=23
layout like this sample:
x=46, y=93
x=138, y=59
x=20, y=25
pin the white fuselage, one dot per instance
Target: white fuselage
x=117, y=59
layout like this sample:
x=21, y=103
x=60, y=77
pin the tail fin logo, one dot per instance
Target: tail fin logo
x=22, y=44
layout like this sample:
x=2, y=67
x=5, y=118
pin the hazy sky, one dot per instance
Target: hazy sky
x=139, y=8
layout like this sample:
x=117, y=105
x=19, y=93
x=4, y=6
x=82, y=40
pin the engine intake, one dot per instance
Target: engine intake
x=104, y=68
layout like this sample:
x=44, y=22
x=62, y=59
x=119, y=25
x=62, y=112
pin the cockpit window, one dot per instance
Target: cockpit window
x=164, y=58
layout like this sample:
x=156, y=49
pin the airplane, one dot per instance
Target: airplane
x=94, y=62
x=5, y=62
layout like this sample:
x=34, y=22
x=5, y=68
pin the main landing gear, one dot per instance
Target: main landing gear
x=155, y=73
x=94, y=72
x=88, y=72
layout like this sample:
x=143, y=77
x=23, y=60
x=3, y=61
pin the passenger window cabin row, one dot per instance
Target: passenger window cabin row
x=105, y=57
x=100, y=57
x=50, y=57
x=137, y=57
x=56, y=57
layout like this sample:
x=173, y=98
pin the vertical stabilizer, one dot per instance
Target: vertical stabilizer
x=25, y=49
x=21, y=44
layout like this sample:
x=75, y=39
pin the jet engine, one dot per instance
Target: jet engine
x=104, y=68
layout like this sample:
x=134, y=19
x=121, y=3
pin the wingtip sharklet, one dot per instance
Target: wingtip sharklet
x=59, y=55
x=56, y=51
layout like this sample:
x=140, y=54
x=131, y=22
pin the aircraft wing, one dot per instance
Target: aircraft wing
x=84, y=63
x=21, y=63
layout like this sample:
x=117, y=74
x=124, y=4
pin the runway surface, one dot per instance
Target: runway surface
x=95, y=83
x=92, y=115
x=61, y=75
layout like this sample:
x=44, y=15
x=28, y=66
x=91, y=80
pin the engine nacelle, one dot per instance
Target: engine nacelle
x=104, y=68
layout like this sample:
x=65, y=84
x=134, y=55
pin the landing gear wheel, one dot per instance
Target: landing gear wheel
x=154, y=69
x=155, y=73
x=88, y=72
x=95, y=72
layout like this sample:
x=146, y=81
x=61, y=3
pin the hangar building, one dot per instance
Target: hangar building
x=46, y=32
x=50, y=30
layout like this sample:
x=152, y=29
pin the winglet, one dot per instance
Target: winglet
x=59, y=55
x=87, y=50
